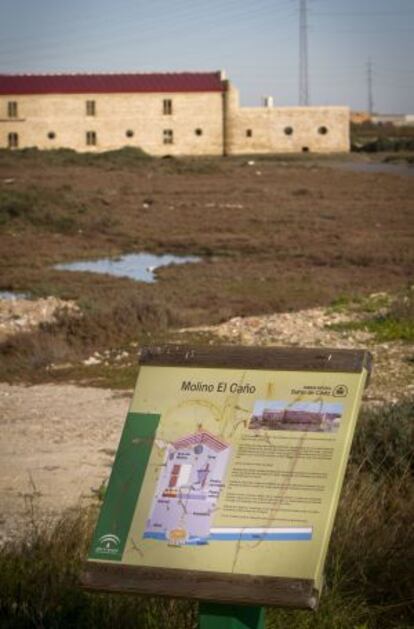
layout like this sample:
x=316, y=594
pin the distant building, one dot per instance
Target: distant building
x=189, y=113
x=358, y=117
x=398, y=120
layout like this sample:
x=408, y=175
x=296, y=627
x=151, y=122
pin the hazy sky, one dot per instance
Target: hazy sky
x=255, y=41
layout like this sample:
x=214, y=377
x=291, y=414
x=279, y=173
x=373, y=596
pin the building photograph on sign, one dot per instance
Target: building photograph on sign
x=302, y=416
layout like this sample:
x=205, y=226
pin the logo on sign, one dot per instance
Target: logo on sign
x=341, y=390
x=108, y=544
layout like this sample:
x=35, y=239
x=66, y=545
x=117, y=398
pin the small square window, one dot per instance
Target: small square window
x=12, y=109
x=168, y=136
x=167, y=107
x=198, y=131
x=91, y=138
x=90, y=108
x=13, y=141
x=249, y=133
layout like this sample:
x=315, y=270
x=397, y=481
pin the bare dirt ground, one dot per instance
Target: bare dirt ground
x=58, y=441
x=57, y=447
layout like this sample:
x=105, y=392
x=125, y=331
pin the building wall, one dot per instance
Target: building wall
x=223, y=124
x=268, y=126
x=65, y=115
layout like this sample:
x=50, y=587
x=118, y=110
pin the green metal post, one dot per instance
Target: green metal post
x=218, y=616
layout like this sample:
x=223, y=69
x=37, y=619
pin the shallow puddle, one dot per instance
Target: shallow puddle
x=137, y=266
x=10, y=295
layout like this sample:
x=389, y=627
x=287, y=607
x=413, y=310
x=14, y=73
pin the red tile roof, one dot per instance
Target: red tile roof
x=110, y=83
x=202, y=436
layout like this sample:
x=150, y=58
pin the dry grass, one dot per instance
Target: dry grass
x=368, y=569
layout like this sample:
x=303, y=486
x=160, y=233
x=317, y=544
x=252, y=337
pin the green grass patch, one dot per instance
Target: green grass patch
x=360, y=304
x=393, y=319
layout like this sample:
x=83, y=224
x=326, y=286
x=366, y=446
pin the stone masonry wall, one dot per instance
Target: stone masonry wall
x=65, y=116
x=252, y=130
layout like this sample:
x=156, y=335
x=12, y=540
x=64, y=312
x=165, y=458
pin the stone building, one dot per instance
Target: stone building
x=185, y=113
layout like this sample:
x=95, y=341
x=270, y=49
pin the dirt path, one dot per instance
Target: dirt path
x=57, y=446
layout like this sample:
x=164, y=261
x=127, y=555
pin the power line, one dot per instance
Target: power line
x=369, y=85
x=303, y=55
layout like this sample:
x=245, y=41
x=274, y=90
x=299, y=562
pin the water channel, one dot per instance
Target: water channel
x=404, y=170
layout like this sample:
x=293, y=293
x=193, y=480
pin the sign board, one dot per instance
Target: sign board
x=228, y=474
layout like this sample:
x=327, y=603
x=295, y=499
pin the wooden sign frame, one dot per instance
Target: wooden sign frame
x=106, y=570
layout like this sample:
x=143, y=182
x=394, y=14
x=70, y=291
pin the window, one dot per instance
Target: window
x=249, y=133
x=90, y=108
x=167, y=106
x=180, y=475
x=129, y=133
x=323, y=130
x=288, y=130
x=91, y=138
x=51, y=135
x=13, y=141
x=12, y=109
x=305, y=149
x=198, y=131
x=168, y=136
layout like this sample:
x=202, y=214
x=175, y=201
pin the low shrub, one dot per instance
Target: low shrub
x=39, y=584
x=116, y=322
x=35, y=207
x=127, y=156
x=384, y=438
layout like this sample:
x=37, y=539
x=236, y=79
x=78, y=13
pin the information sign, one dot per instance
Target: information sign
x=228, y=473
